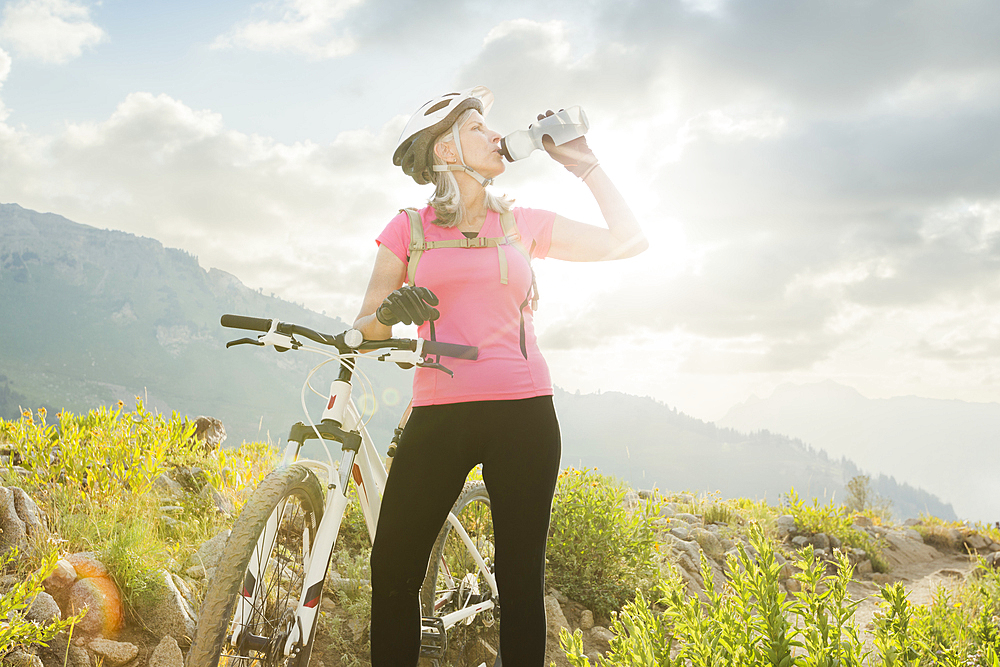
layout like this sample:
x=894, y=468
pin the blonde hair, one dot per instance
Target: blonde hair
x=447, y=198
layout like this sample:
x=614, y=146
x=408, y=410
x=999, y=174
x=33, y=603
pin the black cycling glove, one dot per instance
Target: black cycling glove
x=409, y=305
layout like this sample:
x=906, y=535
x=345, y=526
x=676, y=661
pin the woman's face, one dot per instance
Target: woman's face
x=480, y=147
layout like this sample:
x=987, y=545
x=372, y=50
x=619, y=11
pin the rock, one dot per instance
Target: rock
x=685, y=498
x=210, y=432
x=668, y=510
x=681, y=531
x=208, y=554
x=631, y=499
x=994, y=546
x=786, y=525
x=172, y=615
x=44, y=609
x=555, y=617
x=78, y=656
x=86, y=565
x=913, y=522
x=166, y=487
x=913, y=535
x=196, y=572
x=820, y=541
x=558, y=595
x=62, y=577
x=862, y=521
x=834, y=541
x=882, y=578
x=601, y=637
x=800, y=541
x=708, y=541
x=100, y=597
x=647, y=494
x=787, y=570
x=13, y=534
x=903, y=550
x=687, y=518
x=167, y=654
x=976, y=542
x=28, y=512
x=222, y=504
x=586, y=620
x=19, y=657
x=113, y=653
x=864, y=567
x=793, y=585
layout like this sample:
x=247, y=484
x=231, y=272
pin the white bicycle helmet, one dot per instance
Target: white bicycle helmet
x=413, y=153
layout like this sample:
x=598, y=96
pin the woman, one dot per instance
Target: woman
x=496, y=410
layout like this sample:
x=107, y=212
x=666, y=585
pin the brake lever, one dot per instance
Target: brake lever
x=437, y=366
x=244, y=341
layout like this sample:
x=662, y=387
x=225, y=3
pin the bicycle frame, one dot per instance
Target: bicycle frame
x=365, y=469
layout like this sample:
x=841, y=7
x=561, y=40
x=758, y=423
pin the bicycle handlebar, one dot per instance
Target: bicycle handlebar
x=429, y=347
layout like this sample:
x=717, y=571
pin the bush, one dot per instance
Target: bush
x=599, y=552
x=834, y=520
x=15, y=629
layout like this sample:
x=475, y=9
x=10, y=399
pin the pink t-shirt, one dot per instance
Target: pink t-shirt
x=477, y=309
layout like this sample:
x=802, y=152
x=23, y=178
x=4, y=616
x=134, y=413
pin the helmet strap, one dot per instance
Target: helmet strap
x=461, y=166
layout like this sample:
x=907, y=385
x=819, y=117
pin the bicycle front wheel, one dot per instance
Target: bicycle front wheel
x=290, y=500
x=454, y=581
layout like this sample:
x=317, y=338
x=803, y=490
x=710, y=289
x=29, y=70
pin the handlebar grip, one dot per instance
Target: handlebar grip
x=248, y=323
x=451, y=350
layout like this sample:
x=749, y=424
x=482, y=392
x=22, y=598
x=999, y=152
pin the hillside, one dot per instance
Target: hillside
x=90, y=317
x=945, y=446
x=649, y=444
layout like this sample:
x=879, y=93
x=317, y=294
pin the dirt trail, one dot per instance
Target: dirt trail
x=921, y=579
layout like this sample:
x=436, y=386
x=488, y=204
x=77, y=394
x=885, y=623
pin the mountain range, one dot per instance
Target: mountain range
x=948, y=447
x=90, y=317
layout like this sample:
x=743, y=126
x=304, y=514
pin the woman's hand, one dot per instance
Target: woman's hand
x=409, y=305
x=575, y=154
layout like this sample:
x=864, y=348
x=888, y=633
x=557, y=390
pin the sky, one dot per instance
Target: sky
x=819, y=181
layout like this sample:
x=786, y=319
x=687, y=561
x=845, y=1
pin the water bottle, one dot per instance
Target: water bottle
x=563, y=126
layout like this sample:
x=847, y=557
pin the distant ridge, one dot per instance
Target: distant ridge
x=89, y=317
x=949, y=447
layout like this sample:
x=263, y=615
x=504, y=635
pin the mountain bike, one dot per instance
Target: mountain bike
x=263, y=602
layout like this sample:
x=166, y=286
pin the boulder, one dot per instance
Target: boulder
x=78, y=656
x=903, y=550
x=28, y=512
x=687, y=518
x=113, y=653
x=166, y=487
x=210, y=432
x=820, y=541
x=555, y=618
x=800, y=541
x=586, y=620
x=44, y=609
x=62, y=577
x=100, y=597
x=221, y=503
x=600, y=637
x=167, y=654
x=785, y=525
x=85, y=564
x=862, y=521
x=681, y=531
x=171, y=615
x=13, y=534
x=208, y=554
x=20, y=657
x=976, y=542
x=708, y=541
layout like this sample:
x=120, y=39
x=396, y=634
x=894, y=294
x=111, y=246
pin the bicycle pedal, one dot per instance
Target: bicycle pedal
x=433, y=638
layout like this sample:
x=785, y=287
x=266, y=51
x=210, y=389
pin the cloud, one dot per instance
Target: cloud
x=298, y=219
x=309, y=27
x=52, y=31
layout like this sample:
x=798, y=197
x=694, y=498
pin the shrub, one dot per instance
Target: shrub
x=599, y=552
x=834, y=520
x=15, y=629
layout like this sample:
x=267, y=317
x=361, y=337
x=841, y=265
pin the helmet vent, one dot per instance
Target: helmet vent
x=437, y=107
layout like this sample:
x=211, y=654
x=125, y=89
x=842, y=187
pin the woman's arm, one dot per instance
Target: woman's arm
x=387, y=276
x=579, y=242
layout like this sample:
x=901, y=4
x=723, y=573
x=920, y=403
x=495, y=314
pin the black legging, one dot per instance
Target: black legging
x=518, y=444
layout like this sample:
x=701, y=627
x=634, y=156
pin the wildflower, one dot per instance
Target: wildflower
x=41, y=411
x=121, y=404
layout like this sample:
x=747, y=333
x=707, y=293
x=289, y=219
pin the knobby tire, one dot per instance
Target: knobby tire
x=281, y=574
